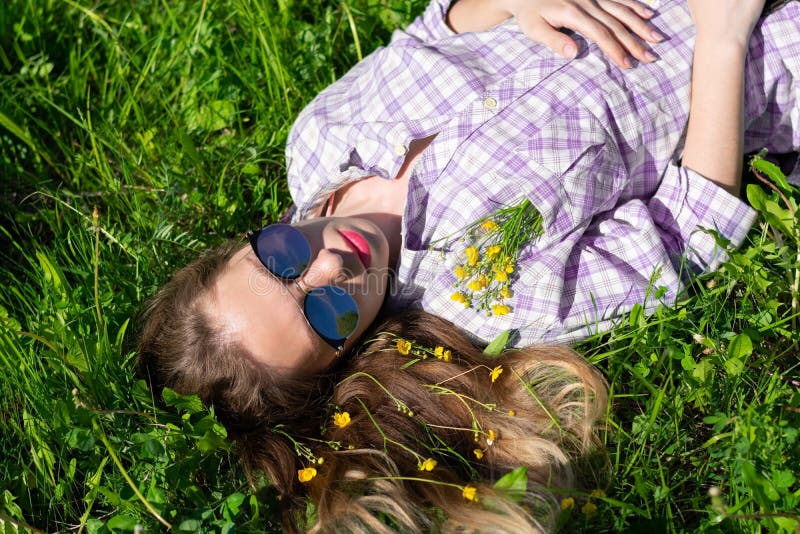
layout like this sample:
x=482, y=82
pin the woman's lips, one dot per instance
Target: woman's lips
x=358, y=245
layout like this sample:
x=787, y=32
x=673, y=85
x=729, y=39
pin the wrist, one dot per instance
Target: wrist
x=726, y=46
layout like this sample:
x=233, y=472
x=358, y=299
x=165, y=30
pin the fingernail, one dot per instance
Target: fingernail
x=656, y=37
x=627, y=63
x=648, y=12
x=569, y=51
x=649, y=56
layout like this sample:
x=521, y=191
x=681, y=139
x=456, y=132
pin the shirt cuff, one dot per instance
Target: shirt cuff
x=431, y=25
x=685, y=204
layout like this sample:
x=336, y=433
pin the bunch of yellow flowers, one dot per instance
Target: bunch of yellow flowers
x=484, y=278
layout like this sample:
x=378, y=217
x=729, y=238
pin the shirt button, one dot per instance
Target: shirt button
x=489, y=103
x=400, y=150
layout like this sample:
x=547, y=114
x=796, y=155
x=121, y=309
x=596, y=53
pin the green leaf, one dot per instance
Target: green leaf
x=495, y=348
x=189, y=403
x=771, y=171
x=514, y=484
x=783, y=479
x=756, y=196
x=230, y=509
x=122, y=522
x=740, y=347
x=734, y=366
x=702, y=370
x=81, y=439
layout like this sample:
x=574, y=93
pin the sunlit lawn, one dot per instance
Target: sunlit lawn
x=169, y=120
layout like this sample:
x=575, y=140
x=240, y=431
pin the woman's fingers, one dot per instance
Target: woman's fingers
x=540, y=31
x=616, y=26
x=622, y=27
x=576, y=18
x=634, y=16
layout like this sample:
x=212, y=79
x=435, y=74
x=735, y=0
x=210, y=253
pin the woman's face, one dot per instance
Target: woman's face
x=265, y=314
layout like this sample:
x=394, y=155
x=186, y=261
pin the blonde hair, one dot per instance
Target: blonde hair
x=540, y=410
x=543, y=409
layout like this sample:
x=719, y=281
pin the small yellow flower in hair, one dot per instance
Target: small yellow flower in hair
x=478, y=453
x=428, y=465
x=305, y=475
x=470, y=493
x=589, y=508
x=490, y=437
x=459, y=271
x=511, y=413
x=472, y=256
x=341, y=419
x=496, y=372
x=458, y=296
x=501, y=309
x=438, y=352
x=568, y=503
x=492, y=251
x=505, y=292
x=447, y=356
x=403, y=346
x=489, y=225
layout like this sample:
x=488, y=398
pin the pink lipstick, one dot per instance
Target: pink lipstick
x=358, y=245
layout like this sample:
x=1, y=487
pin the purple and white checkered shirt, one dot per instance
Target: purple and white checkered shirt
x=592, y=146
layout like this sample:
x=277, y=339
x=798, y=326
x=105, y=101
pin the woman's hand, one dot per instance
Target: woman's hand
x=725, y=21
x=615, y=25
x=612, y=24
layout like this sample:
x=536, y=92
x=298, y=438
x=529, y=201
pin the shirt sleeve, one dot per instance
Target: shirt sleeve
x=431, y=25
x=685, y=205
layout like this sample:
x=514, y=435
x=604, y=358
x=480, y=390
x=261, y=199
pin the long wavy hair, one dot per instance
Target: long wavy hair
x=407, y=433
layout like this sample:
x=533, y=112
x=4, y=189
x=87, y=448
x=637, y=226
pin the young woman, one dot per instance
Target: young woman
x=429, y=159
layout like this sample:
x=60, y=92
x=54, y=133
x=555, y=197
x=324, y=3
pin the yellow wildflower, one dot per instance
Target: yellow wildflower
x=501, y=309
x=459, y=271
x=568, y=503
x=428, y=465
x=341, y=419
x=489, y=225
x=511, y=413
x=496, y=372
x=447, y=356
x=494, y=250
x=509, y=267
x=474, y=285
x=458, y=296
x=472, y=256
x=470, y=493
x=598, y=493
x=305, y=475
x=589, y=508
x=438, y=352
x=478, y=453
x=403, y=346
x=500, y=276
x=505, y=292
x=490, y=437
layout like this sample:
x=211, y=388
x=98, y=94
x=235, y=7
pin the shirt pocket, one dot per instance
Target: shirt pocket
x=571, y=170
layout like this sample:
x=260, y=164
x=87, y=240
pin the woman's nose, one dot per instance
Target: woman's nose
x=326, y=269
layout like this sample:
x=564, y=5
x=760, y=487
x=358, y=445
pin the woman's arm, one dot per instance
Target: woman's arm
x=715, y=132
x=612, y=24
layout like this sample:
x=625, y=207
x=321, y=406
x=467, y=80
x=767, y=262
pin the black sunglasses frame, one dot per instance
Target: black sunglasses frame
x=336, y=343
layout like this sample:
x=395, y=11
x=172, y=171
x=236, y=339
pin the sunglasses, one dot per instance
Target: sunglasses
x=286, y=253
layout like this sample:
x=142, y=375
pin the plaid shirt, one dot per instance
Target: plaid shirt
x=592, y=146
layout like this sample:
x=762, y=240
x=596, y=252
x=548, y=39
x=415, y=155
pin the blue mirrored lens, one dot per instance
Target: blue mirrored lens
x=332, y=313
x=283, y=250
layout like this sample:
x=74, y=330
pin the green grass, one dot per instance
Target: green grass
x=170, y=118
